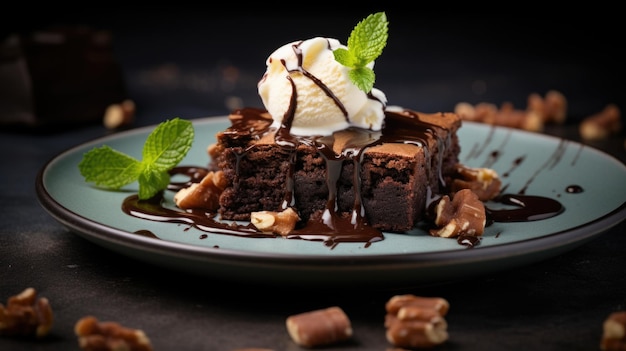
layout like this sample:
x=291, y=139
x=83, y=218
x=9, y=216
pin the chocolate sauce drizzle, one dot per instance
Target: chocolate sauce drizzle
x=334, y=228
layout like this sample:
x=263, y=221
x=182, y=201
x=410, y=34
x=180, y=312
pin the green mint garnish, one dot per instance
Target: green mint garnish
x=365, y=44
x=165, y=147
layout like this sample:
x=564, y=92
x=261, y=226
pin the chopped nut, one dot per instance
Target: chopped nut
x=464, y=214
x=119, y=115
x=321, y=327
x=395, y=303
x=205, y=194
x=94, y=335
x=614, y=332
x=555, y=107
x=506, y=115
x=415, y=321
x=485, y=182
x=485, y=112
x=552, y=109
x=601, y=125
x=26, y=316
x=263, y=220
x=466, y=111
x=281, y=223
x=416, y=333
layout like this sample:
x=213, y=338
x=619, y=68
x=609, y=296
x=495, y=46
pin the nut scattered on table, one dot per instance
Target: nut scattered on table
x=119, y=115
x=320, y=327
x=602, y=124
x=614, y=332
x=416, y=321
x=539, y=111
x=25, y=315
x=94, y=335
x=552, y=108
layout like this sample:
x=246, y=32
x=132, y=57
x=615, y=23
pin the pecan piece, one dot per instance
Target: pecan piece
x=602, y=125
x=26, y=316
x=94, y=335
x=416, y=321
x=614, y=332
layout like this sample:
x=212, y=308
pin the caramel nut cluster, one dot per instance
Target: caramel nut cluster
x=484, y=182
x=463, y=215
x=320, y=327
x=614, y=332
x=602, y=124
x=415, y=321
x=281, y=223
x=25, y=315
x=205, y=194
x=94, y=335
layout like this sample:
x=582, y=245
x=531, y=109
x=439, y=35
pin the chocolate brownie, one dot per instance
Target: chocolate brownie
x=398, y=170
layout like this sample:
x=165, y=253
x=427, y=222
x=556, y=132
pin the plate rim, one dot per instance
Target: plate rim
x=101, y=233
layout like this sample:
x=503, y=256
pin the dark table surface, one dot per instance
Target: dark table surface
x=431, y=63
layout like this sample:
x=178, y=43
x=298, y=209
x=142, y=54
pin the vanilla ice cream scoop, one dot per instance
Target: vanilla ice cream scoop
x=307, y=91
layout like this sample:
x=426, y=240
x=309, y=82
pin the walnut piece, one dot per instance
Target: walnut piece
x=94, y=335
x=484, y=182
x=415, y=321
x=552, y=108
x=26, y=316
x=281, y=223
x=506, y=115
x=463, y=215
x=602, y=124
x=614, y=332
x=539, y=111
x=119, y=115
x=320, y=327
x=205, y=194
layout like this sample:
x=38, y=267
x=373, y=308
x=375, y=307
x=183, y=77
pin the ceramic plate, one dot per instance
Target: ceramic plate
x=529, y=163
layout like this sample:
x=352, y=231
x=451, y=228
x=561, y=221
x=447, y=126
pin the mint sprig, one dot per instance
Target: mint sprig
x=164, y=148
x=365, y=44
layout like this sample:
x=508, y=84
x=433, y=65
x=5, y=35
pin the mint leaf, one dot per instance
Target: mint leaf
x=345, y=57
x=109, y=168
x=365, y=44
x=363, y=78
x=151, y=182
x=168, y=144
x=369, y=38
x=164, y=148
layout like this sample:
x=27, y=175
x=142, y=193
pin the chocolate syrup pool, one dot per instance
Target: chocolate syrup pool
x=353, y=227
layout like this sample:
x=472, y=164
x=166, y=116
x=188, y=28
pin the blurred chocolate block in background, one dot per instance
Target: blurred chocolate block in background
x=58, y=78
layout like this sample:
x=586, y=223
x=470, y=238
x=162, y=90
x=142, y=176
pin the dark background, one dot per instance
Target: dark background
x=194, y=62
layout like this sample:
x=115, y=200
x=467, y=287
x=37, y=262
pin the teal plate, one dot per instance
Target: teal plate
x=529, y=163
